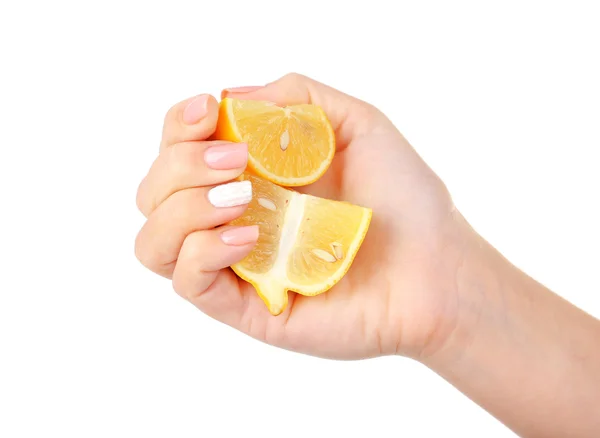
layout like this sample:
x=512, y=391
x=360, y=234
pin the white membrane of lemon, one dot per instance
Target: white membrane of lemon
x=275, y=283
x=276, y=291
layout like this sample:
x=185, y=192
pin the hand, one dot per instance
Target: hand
x=397, y=298
x=424, y=284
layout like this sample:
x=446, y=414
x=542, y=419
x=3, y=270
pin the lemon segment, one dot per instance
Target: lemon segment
x=290, y=146
x=306, y=244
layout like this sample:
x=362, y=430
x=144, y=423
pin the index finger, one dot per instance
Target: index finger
x=193, y=119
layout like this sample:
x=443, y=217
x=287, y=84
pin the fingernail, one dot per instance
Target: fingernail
x=231, y=194
x=226, y=156
x=240, y=236
x=243, y=89
x=196, y=110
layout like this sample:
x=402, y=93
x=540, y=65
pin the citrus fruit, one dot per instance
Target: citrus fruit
x=306, y=244
x=290, y=146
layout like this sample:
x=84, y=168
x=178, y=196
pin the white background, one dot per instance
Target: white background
x=502, y=101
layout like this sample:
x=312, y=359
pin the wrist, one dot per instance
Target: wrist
x=515, y=345
x=477, y=273
x=438, y=321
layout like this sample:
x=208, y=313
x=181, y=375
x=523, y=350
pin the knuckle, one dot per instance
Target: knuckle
x=195, y=248
x=294, y=78
x=172, y=114
x=193, y=254
x=368, y=113
x=180, y=287
x=185, y=158
x=139, y=198
x=152, y=256
x=141, y=253
x=144, y=199
x=191, y=200
x=369, y=117
x=187, y=208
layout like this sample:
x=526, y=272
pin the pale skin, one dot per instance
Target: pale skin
x=424, y=284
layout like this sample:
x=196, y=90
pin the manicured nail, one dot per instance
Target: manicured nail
x=243, y=89
x=226, y=156
x=231, y=194
x=196, y=110
x=240, y=235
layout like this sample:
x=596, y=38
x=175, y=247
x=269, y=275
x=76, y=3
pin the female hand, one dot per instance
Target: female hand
x=424, y=284
x=399, y=295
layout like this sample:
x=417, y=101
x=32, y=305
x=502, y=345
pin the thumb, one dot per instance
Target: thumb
x=350, y=117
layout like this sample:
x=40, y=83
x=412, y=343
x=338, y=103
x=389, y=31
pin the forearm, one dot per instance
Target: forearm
x=520, y=351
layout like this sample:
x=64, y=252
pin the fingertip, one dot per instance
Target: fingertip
x=193, y=119
x=213, y=105
x=208, y=119
x=240, y=236
x=195, y=110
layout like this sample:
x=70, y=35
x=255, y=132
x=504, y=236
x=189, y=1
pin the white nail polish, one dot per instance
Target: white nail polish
x=231, y=194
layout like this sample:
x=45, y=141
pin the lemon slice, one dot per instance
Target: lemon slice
x=290, y=146
x=306, y=244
